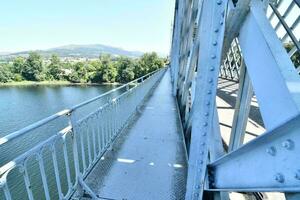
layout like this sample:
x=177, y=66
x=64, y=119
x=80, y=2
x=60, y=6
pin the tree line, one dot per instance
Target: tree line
x=105, y=69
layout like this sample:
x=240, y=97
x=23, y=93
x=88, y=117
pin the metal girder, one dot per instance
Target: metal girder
x=268, y=163
x=235, y=17
x=273, y=75
x=211, y=35
x=242, y=109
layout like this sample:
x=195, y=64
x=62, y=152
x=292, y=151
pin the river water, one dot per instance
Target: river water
x=23, y=105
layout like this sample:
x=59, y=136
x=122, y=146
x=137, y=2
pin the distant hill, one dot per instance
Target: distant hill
x=77, y=51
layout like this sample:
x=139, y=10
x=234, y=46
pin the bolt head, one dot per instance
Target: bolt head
x=219, y=2
x=271, y=151
x=279, y=178
x=22, y=170
x=297, y=175
x=288, y=144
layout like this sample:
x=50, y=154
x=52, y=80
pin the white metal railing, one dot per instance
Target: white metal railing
x=89, y=136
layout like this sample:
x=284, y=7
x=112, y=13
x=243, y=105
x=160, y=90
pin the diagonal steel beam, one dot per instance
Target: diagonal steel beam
x=268, y=163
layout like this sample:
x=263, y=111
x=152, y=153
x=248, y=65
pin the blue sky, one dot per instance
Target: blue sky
x=143, y=25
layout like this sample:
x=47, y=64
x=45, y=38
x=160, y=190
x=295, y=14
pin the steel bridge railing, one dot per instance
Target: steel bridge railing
x=90, y=136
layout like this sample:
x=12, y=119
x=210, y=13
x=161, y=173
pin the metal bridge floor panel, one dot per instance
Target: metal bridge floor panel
x=148, y=160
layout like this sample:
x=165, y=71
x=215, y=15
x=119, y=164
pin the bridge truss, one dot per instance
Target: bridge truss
x=242, y=41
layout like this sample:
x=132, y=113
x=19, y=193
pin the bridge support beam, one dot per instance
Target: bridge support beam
x=242, y=109
x=273, y=75
x=211, y=33
x=268, y=163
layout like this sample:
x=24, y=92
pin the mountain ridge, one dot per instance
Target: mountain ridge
x=78, y=51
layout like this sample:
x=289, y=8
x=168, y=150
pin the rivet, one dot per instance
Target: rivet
x=196, y=194
x=297, y=174
x=271, y=151
x=209, y=92
x=215, y=43
x=211, y=68
x=202, y=152
x=203, y=143
x=288, y=144
x=223, y=13
x=216, y=30
x=206, y=114
x=219, y=2
x=204, y=134
x=213, y=56
x=22, y=169
x=198, y=187
x=201, y=161
x=210, y=80
x=279, y=177
x=205, y=124
x=221, y=22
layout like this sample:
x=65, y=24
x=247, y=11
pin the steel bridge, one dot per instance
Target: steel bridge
x=162, y=136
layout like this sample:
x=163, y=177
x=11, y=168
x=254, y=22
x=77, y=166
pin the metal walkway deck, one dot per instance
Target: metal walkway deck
x=148, y=160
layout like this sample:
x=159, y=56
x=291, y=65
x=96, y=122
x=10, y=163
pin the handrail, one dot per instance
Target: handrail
x=101, y=126
x=65, y=112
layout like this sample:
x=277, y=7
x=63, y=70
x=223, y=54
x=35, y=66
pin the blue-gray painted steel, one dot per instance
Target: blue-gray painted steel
x=268, y=163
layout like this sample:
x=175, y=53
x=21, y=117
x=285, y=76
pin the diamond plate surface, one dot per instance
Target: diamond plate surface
x=148, y=160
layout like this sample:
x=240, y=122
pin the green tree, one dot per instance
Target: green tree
x=149, y=62
x=108, y=70
x=55, y=68
x=96, y=75
x=296, y=57
x=125, y=69
x=33, y=67
x=18, y=64
x=79, y=73
x=5, y=73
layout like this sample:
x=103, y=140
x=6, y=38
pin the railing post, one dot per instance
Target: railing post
x=72, y=122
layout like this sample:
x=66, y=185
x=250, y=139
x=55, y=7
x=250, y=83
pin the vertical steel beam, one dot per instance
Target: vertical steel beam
x=211, y=33
x=242, y=109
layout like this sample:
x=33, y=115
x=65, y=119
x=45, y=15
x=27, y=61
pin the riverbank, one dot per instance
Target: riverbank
x=54, y=83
